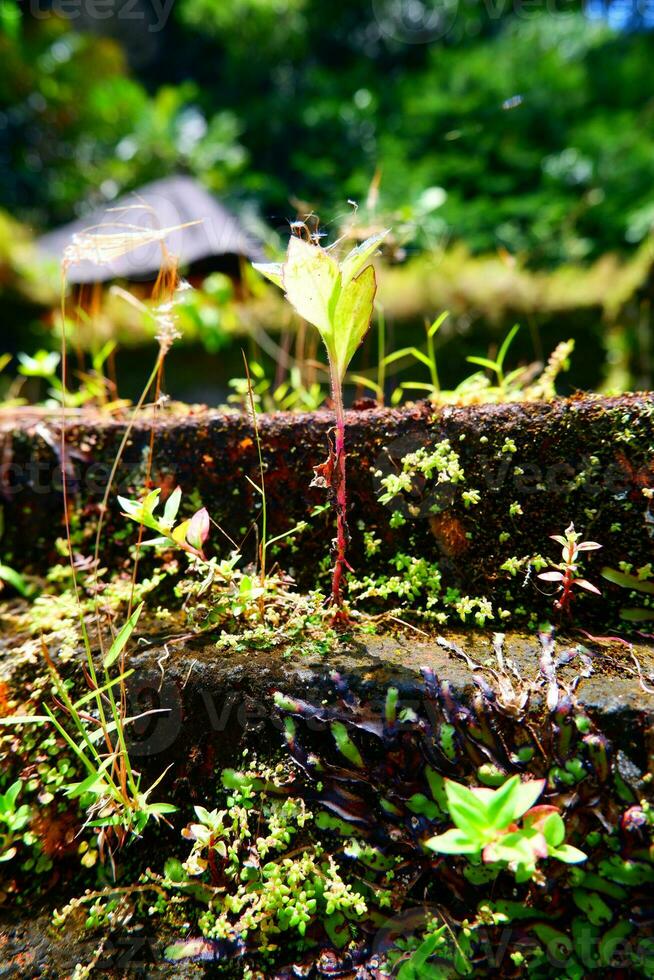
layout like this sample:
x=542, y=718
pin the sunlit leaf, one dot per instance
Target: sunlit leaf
x=345, y=745
x=521, y=798
x=454, y=841
x=198, y=529
x=172, y=506
x=312, y=284
x=122, y=637
x=437, y=324
x=352, y=317
x=466, y=809
x=191, y=949
x=355, y=260
x=179, y=533
x=271, y=270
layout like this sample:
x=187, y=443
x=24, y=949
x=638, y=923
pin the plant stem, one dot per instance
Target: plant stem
x=338, y=484
x=264, y=510
x=381, y=351
x=433, y=366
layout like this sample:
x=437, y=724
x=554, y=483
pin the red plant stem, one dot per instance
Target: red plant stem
x=340, y=490
x=566, y=595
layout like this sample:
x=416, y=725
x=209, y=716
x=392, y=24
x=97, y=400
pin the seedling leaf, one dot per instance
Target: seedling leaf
x=122, y=637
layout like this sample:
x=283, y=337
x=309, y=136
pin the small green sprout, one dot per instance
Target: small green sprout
x=470, y=498
x=337, y=297
x=190, y=535
x=486, y=826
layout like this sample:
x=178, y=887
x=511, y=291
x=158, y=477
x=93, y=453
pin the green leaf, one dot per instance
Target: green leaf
x=612, y=942
x=418, y=968
x=421, y=804
x=519, y=847
x=91, y=695
x=337, y=929
x=352, y=317
x=312, y=283
x=625, y=872
x=271, y=270
x=467, y=809
x=190, y=949
x=128, y=507
x=157, y=808
x=627, y=581
x=105, y=351
x=10, y=19
x=568, y=854
x=91, y=783
x=174, y=870
x=150, y=502
x=24, y=720
x=553, y=829
x=512, y=800
x=11, y=795
x=172, y=506
x=483, y=362
x=345, y=745
x=594, y=908
x=557, y=944
x=15, y=580
x=406, y=352
x=390, y=709
x=355, y=260
x=122, y=637
x=437, y=324
x=437, y=787
x=637, y=615
x=504, y=349
x=455, y=842
x=501, y=809
x=142, y=511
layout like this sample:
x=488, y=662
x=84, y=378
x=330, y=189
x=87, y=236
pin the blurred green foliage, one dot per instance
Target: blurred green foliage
x=76, y=125
x=509, y=145
x=536, y=126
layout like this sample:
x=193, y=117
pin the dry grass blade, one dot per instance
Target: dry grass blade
x=100, y=246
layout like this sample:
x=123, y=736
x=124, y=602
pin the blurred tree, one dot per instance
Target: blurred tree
x=522, y=126
x=74, y=125
x=536, y=124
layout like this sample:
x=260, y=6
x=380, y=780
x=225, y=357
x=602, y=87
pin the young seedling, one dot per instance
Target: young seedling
x=486, y=826
x=189, y=535
x=337, y=297
x=94, y=727
x=565, y=572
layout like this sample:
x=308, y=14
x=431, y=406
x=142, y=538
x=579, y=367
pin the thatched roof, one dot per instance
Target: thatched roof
x=161, y=204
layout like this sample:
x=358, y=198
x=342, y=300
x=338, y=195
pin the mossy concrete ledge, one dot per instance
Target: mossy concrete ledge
x=212, y=704
x=525, y=471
